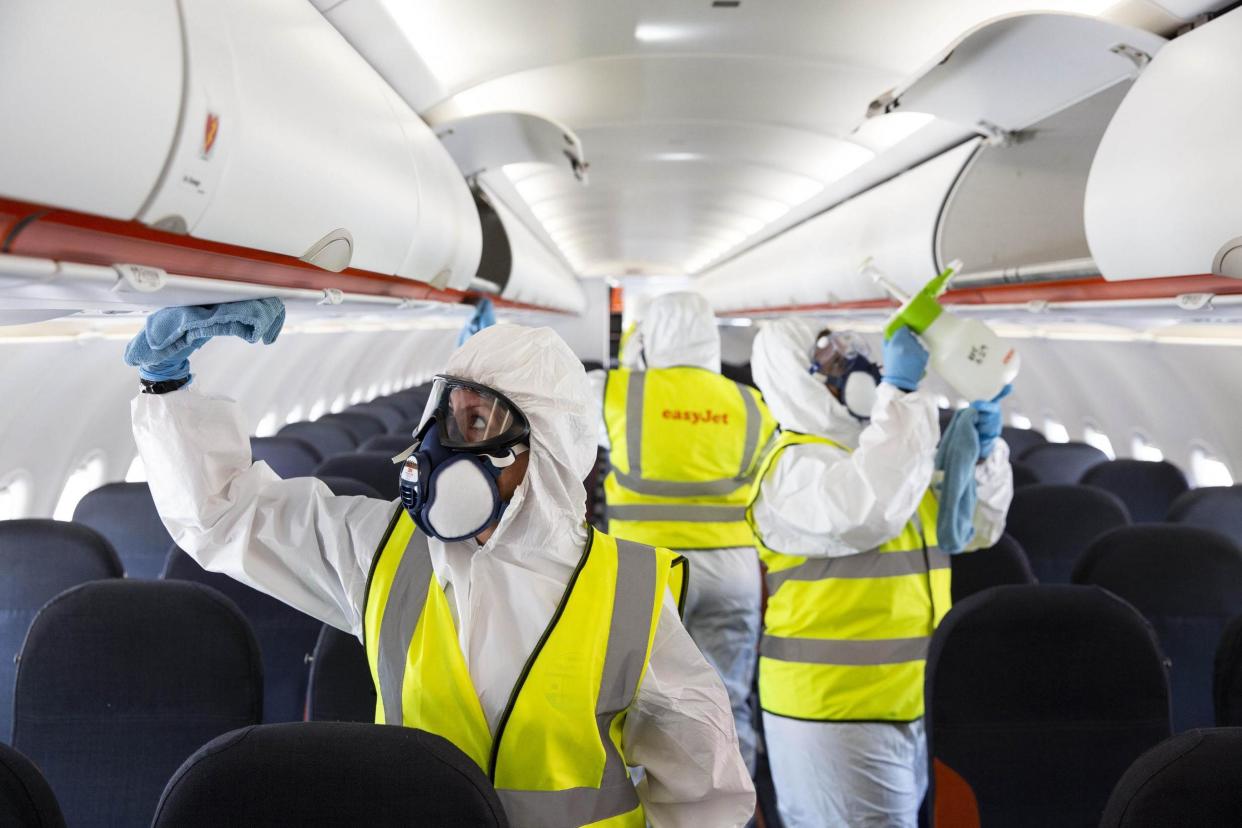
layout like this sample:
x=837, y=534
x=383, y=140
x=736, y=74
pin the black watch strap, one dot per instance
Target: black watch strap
x=162, y=386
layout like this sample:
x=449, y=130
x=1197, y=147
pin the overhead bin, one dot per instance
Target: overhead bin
x=489, y=141
x=1007, y=74
x=284, y=141
x=1163, y=195
x=818, y=261
x=535, y=275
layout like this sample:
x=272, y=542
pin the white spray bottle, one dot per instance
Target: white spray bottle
x=966, y=353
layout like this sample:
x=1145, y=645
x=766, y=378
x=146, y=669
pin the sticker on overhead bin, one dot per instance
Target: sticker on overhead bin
x=139, y=278
x=211, y=131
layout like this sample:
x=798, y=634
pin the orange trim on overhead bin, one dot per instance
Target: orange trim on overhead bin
x=1096, y=289
x=64, y=235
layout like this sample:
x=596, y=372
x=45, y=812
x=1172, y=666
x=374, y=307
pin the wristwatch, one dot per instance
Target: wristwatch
x=162, y=386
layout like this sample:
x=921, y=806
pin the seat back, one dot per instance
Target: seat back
x=1038, y=699
x=1021, y=439
x=327, y=438
x=390, y=444
x=412, y=401
x=286, y=637
x=375, y=468
x=1004, y=563
x=1188, y=583
x=125, y=514
x=26, y=800
x=1212, y=507
x=1190, y=779
x=39, y=560
x=390, y=415
x=340, y=687
x=287, y=456
x=1147, y=488
x=1062, y=462
x=317, y=774
x=1056, y=523
x=348, y=487
x=119, y=681
x=360, y=425
x=1227, y=676
x=1023, y=475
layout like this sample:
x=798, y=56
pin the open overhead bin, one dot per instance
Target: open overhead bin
x=1163, y=194
x=244, y=122
x=490, y=140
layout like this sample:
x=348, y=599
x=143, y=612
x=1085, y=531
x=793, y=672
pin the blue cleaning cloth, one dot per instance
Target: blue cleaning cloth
x=484, y=317
x=162, y=349
x=956, y=457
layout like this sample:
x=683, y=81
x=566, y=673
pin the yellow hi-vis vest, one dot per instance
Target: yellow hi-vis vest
x=845, y=639
x=686, y=444
x=557, y=757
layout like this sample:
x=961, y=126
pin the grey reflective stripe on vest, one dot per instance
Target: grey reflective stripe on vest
x=633, y=479
x=406, y=600
x=846, y=652
x=697, y=513
x=632, y=608
x=863, y=565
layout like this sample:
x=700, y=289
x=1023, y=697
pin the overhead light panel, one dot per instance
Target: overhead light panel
x=884, y=131
x=661, y=32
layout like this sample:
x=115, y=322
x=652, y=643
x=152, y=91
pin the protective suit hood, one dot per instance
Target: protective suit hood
x=679, y=329
x=799, y=401
x=535, y=369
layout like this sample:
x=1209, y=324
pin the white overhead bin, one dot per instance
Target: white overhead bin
x=1007, y=74
x=1163, y=195
x=90, y=94
x=818, y=261
x=489, y=141
x=536, y=276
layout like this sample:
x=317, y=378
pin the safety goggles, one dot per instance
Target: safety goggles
x=835, y=351
x=475, y=418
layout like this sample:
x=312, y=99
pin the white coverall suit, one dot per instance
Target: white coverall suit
x=723, y=603
x=824, y=502
x=295, y=541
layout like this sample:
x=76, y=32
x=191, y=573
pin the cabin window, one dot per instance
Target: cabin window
x=355, y=397
x=1020, y=421
x=267, y=425
x=295, y=415
x=372, y=391
x=942, y=401
x=386, y=388
x=1142, y=449
x=137, y=472
x=338, y=405
x=1055, y=431
x=317, y=410
x=1092, y=435
x=14, y=496
x=1207, y=470
x=88, y=476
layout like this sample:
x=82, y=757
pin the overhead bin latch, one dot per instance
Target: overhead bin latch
x=1138, y=57
x=333, y=252
x=331, y=296
x=1195, y=301
x=139, y=278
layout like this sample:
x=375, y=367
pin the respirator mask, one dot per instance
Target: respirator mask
x=842, y=361
x=450, y=475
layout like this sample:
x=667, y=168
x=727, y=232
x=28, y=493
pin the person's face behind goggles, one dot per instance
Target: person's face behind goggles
x=842, y=360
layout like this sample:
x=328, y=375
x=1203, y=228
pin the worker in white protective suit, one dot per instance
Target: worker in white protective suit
x=846, y=526
x=685, y=445
x=526, y=598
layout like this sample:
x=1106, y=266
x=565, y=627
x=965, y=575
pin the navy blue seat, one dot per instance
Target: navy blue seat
x=1212, y=507
x=361, y=426
x=288, y=456
x=390, y=415
x=1021, y=439
x=1147, y=488
x=1038, y=699
x=119, y=681
x=390, y=444
x=375, y=468
x=1227, y=676
x=1004, y=563
x=412, y=401
x=348, y=487
x=340, y=687
x=1188, y=583
x=1023, y=475
x=125, y=514
x=1062, y=462
x=26, y=800
x=1191, y=779
x=329, y=774
x=327, y=438
x=1056, y=523
x=945, y=415
x=39, y=559
x=286, y=636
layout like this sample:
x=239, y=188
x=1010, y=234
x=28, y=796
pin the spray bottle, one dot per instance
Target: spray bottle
x=964, y=352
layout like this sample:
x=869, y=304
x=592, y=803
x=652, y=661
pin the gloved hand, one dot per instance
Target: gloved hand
x=905, y=360
x=988, y=421
x=484, y=317
x=162, y=349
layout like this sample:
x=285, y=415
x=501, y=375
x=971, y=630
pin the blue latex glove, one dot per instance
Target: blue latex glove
x=484, y=317
x=905, y=360
x=162, y=349
x=988, y=423
x=956, y=457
